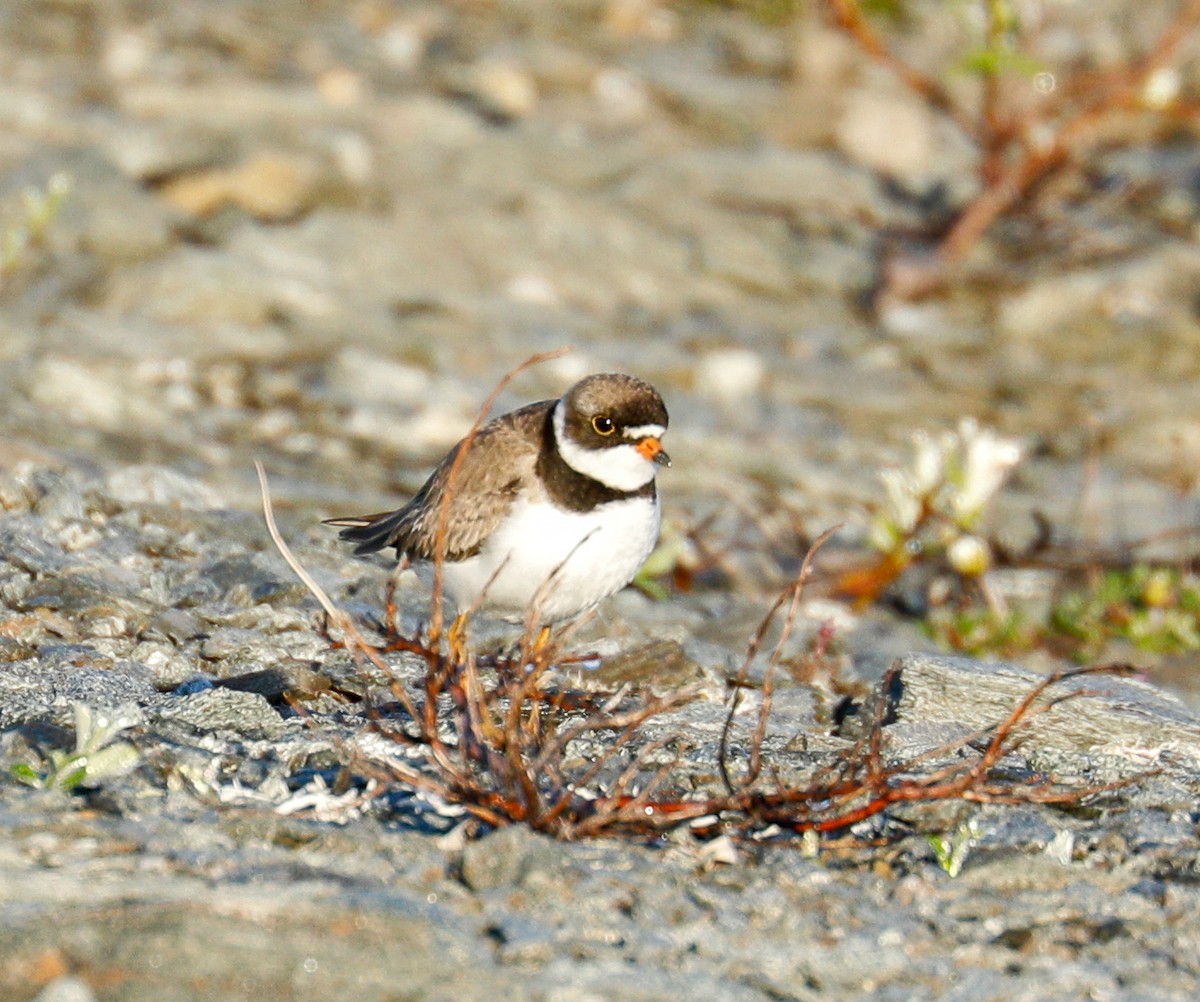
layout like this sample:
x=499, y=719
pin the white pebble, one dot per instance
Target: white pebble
x=730, y=374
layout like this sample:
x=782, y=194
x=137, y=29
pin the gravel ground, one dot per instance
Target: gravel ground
x=317, y=234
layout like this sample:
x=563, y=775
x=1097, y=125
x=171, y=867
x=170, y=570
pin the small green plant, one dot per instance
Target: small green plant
x=1157, y=609
x=953, y=849
x=38, y=209
x=96, y=756
x=1026, y=122
x=979, y=630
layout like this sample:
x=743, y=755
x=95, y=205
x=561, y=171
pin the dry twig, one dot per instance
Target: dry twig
x=1019, y=149
x=495, y=741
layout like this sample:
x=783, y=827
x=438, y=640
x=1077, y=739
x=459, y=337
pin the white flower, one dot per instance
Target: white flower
x=903, y=505
x=929, y=462
x=883, y=535
x=986, y=461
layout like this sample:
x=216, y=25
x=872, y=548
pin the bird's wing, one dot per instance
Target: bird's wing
x=500, y=461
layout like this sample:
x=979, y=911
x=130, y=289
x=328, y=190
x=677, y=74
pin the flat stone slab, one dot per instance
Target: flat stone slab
x=936, y=699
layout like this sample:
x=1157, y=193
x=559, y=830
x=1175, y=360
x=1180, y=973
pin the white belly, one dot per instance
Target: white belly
x=562, y=562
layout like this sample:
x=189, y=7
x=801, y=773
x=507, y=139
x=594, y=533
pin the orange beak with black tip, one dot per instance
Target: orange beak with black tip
x=651, y=448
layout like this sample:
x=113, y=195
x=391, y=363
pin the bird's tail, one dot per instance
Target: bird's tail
x=370, y=533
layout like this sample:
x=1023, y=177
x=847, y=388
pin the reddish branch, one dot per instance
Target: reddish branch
x=439, y=543
x=496, y=740
x=1018, y=152
x=501, y=752
x=849, y=16
x=860, y=785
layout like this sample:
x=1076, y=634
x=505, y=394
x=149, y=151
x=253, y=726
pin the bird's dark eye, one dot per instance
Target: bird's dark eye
x=603, y=425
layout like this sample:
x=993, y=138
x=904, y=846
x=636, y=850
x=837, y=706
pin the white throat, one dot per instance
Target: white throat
x=618, y=467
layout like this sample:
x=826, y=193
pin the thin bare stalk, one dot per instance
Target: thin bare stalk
x=439, y=547
x=791, y=597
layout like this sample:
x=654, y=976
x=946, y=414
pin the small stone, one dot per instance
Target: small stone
x=405, y=41
x=176, y=625
x=81, y=392
x=730, y=374
x=504, y=88
x=661, y=665
x=889, y=133
x=504, y=857
x=66, y=989
x=649, y=19
x=622, y=96
x=244, y=713
x=225, y=643
x=270, y=186
x=367, y=377
x=341, y=87
x=149, y=151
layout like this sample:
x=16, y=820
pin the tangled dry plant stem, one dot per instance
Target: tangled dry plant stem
x=494, y=740
x=1018, y=150
x=439, y=547
x=868, y=787
x=790, y=597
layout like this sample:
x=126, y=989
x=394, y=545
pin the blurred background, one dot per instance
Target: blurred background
x=317, y=233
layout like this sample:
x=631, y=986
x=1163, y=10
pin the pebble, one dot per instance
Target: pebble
x=622, y=96
x=66, y=989
x=158, y=485
x=229, y=710
x=271, y=186
x=730, y=375
x=365, y=377
x=892, y=134
x=504, y=88
x=78, y=391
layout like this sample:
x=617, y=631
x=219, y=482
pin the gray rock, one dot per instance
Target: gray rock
x=22, y=549
x=158, y=485
x=62, y=676
x=222, y=710
x=1131, y=310
x=149, y=151
x=174, y=625
x=693, y=84
x=803, y=186
x=505, y=857
x=1129, y=725
x=105, y=215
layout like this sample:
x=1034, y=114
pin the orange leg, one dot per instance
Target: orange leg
x=457, y=635
x=392, y=611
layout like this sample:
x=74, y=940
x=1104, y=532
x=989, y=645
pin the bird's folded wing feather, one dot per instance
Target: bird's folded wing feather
x=501, y=458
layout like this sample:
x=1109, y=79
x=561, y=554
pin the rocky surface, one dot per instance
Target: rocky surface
x=316, y=234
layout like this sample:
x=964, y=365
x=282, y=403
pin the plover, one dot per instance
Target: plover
x=553, y=509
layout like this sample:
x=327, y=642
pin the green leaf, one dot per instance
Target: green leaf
x=70, y=780
x=27, y=774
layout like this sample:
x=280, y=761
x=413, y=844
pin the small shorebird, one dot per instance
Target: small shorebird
x=553, y=509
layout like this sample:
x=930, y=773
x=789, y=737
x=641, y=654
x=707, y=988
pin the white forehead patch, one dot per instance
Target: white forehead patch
x=644, y=431
x=619, y=467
